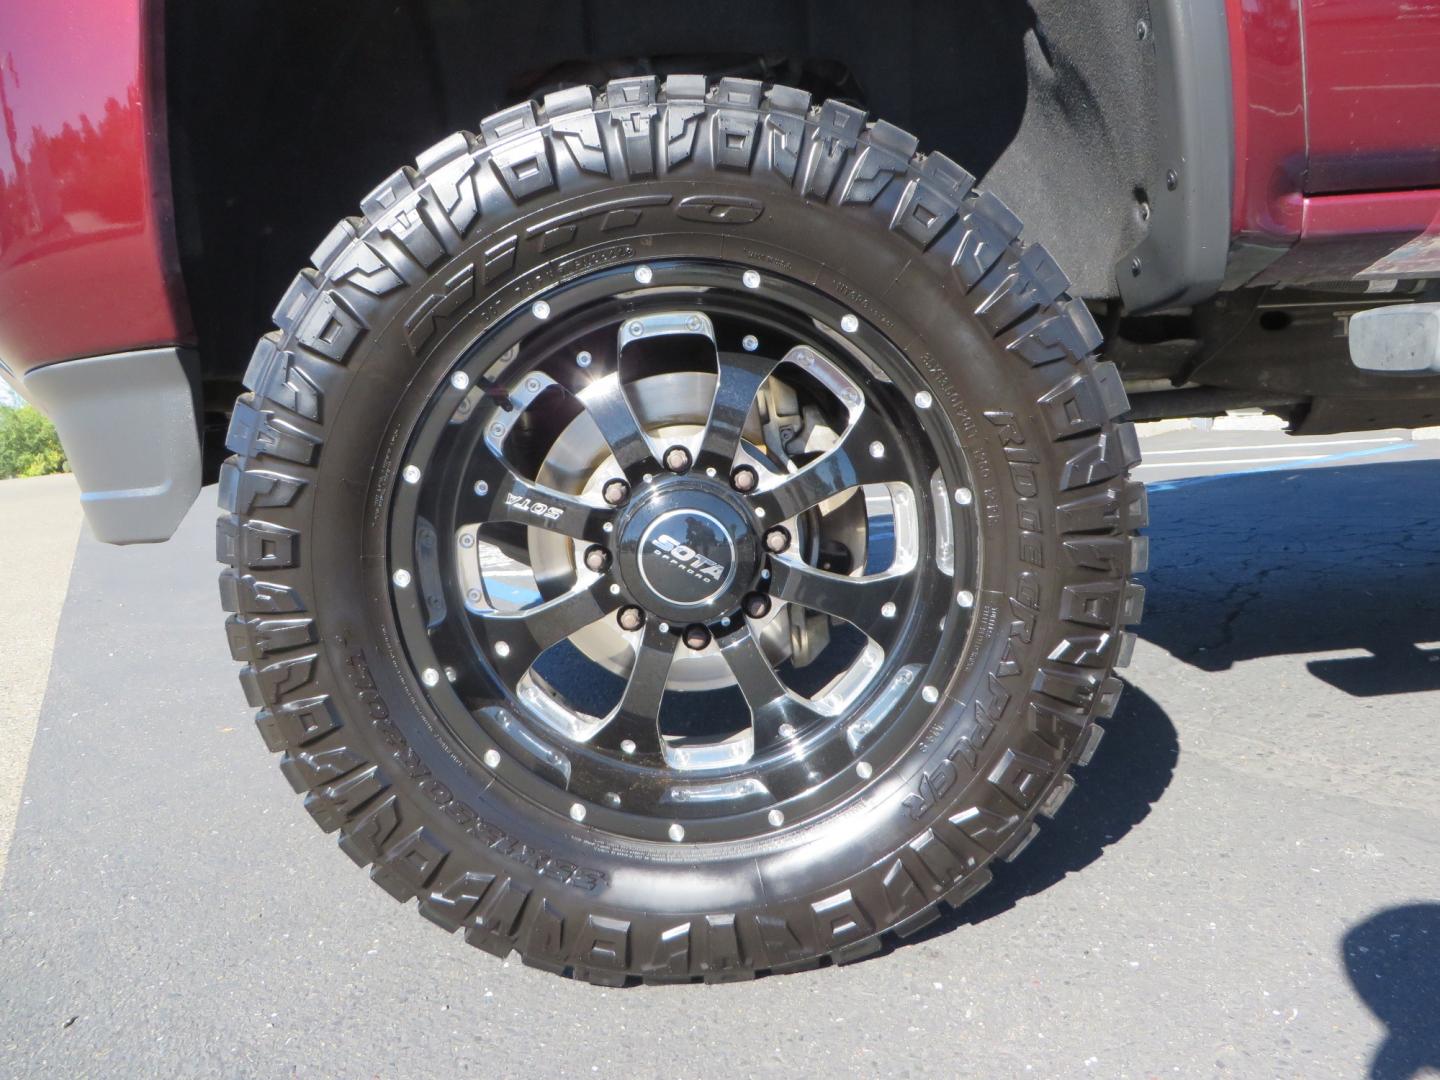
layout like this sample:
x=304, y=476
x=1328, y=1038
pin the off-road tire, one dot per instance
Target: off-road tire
x=761, y=177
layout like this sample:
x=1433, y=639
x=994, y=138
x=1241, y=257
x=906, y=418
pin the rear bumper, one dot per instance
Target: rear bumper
x=128, y=425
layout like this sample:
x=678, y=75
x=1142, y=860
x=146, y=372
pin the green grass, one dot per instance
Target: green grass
x=28, y=444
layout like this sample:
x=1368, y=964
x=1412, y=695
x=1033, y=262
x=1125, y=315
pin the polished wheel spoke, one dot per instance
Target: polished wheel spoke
x=512, y=498
x=515, y=640
x=858, y=600
x=605, y=401
x=741, y=376
x=770, y=700
x=633, y=726
x=866, y=454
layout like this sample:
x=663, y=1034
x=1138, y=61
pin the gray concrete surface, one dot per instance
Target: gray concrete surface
x=1244, y=884
x=39, y=521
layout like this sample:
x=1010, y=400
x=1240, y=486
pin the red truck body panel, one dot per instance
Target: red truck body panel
x=84, y=228
x=1372, y=83
x=1333, y=97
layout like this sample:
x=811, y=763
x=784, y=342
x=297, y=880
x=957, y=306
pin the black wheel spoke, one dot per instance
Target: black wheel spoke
x=740, y=378
x=515, y=640
x=851, y=462
x=608, y=406
x=860, y=601
x=511, y=498
x=636, y=719
x=771, y=703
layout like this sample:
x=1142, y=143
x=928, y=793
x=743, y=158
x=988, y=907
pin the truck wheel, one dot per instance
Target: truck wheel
x=680, y=532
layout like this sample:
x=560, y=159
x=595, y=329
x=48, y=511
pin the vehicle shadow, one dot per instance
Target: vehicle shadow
x=1393, y=960
x=1304, y=561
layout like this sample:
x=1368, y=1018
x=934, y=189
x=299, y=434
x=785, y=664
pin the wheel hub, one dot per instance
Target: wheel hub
x=688, y=552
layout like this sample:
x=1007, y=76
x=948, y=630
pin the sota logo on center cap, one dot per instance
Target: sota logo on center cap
x=687, y=557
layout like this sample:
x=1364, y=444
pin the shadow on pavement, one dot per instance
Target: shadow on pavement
x=1113, y=794
x=1309, y=561
x=1393, y=960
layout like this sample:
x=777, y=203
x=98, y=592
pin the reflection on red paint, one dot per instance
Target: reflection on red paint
x=81, y=267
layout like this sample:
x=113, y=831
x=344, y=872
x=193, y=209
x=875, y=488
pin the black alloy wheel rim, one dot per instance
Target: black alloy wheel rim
x=689, y=541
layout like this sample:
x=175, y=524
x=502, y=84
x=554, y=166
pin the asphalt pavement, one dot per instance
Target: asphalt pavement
x=1245, y=883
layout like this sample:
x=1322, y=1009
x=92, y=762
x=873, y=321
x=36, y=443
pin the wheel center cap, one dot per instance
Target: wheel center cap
x=686, y=557
x=688, y=550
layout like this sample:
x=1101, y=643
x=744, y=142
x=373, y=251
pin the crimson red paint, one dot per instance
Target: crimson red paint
x=83, y=237
x=1372, y=76
x=1267, y=81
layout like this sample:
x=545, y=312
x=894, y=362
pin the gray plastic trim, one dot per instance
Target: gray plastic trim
x=127, y=422
x=1181, y=261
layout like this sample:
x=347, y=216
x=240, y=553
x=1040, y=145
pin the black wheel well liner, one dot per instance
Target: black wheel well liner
x=282, y=115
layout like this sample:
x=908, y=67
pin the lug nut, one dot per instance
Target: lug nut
x=630, y=618
x=777, y=540
x=744, y=478
x=757, y=605
x=597, y=558
x=677, y=459
x=696, y=637
x=616, y=492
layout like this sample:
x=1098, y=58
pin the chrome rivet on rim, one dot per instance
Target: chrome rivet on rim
x=614, y=590
x=849, y=323
x=693, y=323
x=532, y=385
x=482, y=488
x=664, y=628
x=887, y=610
x=460, y=381
x=930, y=694
x=644, y=275
x=502, y=650
x=877, y=449
x=612, y=798
x=677, y=832
x=787, y=731
x=609, y=526
x=430, y=677
x=750, y=343
x=401, y=579
x=627, y=746
x=923, y=400
x=411, y=474
x=577, y=812
x=964, y=496
x=751, y=279
x=492, y=759
x=636, y=328
x=776, y=818
x=496, y=430
x=965, y=598
x=467, y=540
x=451, y=674
x=540, y=309
x=473, y=596
x=864, y=770
x=583, y=358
